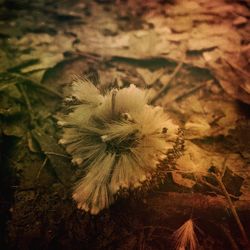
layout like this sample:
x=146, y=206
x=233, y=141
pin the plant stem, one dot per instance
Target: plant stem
x=232, y=208
x=7, y=86
x=28, y=81
x=167, y=85
x=57, y=154
x=229, y=237
x=42, y=166
x=27, y=102
x=114, y=92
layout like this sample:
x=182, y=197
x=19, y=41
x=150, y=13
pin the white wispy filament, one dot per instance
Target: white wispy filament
x=185, y=237
x=117, y=138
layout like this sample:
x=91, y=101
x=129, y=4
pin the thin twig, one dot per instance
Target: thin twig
x=27, y=102
x=57, y=154
x=42, y=87
x=7, y=86
x=26, y=98
x=229, y=237
x=189, y=92
x=167, y=85
x=42, y=166
x=216, y=189
x=113, y=102
x=90, y=56
x=232, y=208
x=235, y=66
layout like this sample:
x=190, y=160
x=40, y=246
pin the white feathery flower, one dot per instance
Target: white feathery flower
x=92, y=193
x=117, y=138
x=86, y=92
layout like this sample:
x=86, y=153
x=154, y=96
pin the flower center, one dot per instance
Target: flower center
x=119, y=146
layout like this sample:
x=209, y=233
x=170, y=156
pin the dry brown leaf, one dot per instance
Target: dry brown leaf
x=202, y=17
x=233, y=80
x=220, y=8
x=180, y=180
x=180, y=23
x=212, y=56
x=235, y=90
x=212, y=42
x=177, y=37
x=183, y=7
x=134, y=44
x=165, y=79
x=198, y=160
x=222, y=114
x=240, y=20
x=219, y=114
x=47, y=49
x=204, y=30
x=150, y=77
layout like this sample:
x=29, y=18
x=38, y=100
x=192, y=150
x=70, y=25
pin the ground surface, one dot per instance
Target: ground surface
x=191, y=56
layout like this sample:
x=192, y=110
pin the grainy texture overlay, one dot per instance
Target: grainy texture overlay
x=191, y=58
